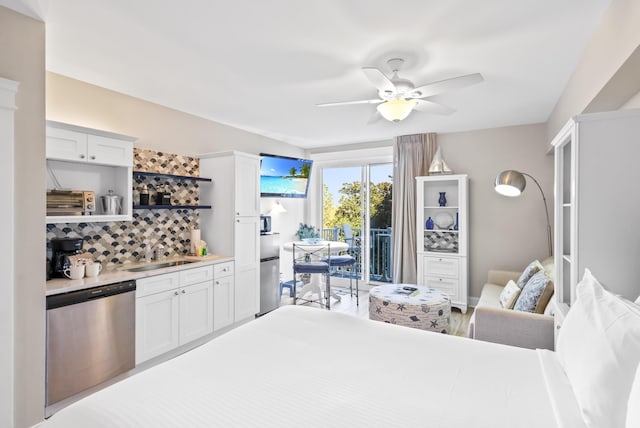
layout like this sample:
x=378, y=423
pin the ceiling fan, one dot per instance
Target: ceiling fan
x=399, y=97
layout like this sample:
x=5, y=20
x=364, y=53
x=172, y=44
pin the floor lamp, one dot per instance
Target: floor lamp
x=512, y=183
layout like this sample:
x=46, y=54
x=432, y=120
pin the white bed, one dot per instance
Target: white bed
x=305, y=367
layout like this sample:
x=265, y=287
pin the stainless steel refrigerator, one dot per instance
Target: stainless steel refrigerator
x=269, y=272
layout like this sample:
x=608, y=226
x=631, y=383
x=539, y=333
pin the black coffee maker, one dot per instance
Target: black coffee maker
x=61, y=249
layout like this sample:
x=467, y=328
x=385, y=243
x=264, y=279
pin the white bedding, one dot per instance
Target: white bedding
x=305, y=367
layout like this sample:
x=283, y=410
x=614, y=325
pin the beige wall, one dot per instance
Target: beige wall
x=156, y=127
x=612, y=44
x=22, y=59
x=505, y=233
x=633, y=102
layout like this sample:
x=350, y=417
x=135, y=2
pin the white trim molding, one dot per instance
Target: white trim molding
x=8, y=91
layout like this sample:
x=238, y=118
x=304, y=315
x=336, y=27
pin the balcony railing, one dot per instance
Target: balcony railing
x=380, y=266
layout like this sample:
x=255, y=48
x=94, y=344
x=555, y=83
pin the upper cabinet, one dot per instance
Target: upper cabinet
x=64, y=144
x=89, y=160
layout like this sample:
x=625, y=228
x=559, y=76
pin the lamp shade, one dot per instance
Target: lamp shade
x=396, y=110
x=510, y=183
x=277, y=208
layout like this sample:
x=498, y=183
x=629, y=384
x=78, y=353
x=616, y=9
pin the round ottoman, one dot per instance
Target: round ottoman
x=424, y=308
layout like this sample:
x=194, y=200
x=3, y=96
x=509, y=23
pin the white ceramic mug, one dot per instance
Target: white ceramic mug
x=92, y=270
x=74, y=272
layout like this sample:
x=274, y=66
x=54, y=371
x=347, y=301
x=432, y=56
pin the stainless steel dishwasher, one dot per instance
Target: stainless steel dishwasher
x=90, y=338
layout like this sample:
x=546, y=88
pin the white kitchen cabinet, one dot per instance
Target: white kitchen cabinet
x=596, y=205
x=85, y=145
x=196, y=311
x=223, y=295
x=172, y=310
x=442, y=238
x=157, y=324
x=232, y=226
x=91, y=160
x=247, y=186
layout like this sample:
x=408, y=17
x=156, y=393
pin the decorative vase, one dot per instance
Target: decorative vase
x=443, y=199
x=429, y=223
x=455, y=226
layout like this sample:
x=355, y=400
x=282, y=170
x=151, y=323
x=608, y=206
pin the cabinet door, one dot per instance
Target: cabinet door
x=246, y=241
x=157, y=322
x=223, y=302
x=109, y=151
x=247, y=183
x=66, y=145
x=247, y=292
x=196, y=311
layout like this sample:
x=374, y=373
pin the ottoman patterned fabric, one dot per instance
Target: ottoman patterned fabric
x=425, y=308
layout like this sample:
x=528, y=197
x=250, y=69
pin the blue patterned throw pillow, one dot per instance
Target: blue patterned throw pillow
x=533, y=268
x=535, y=295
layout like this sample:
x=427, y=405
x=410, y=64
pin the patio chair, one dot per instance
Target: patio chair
x=349, y=260
x=312, y=259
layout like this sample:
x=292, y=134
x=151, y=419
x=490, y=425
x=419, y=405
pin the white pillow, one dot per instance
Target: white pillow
x=509, y=294
x=633, y=405
x=599, y=348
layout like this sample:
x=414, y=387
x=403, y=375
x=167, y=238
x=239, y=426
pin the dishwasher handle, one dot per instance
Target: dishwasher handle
x=80, y=296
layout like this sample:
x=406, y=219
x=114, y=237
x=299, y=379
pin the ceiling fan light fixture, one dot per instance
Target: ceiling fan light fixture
x=397, y=109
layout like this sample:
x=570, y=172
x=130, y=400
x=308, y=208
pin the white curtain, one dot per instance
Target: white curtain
x=412, y=155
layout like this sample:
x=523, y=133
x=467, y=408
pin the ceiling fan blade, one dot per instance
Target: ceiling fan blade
x=344, y=103
x=379, y=80
x=425, y=106
x=436, y=88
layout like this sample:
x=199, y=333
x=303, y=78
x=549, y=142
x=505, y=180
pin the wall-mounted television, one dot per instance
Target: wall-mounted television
x=284, y=177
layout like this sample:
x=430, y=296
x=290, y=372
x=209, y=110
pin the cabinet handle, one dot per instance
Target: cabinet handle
x=93, y=158
x=217, y=282
x=81, y=156
x=184, y=292
x=176, y=293
x=238, y=213
x=237, y=221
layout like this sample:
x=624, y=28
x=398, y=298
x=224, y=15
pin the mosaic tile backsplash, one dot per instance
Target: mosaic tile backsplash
x=113, y=243
x=165, y=163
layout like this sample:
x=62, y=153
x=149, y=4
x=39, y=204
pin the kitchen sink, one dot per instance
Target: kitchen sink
x=155, y=266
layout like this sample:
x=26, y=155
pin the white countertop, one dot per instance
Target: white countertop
x=118, y=274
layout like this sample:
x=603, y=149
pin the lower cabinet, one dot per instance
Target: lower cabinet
x=447, y=274
x=172, y=311
x=223, y=295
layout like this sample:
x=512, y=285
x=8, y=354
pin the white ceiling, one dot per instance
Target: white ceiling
x=263, y=65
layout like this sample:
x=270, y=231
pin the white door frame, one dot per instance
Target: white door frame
x=8, y=90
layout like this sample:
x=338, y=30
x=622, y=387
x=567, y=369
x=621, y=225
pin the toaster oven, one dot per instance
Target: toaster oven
x=71, y=202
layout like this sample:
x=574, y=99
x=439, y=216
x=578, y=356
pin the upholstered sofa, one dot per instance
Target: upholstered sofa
x=493, y=323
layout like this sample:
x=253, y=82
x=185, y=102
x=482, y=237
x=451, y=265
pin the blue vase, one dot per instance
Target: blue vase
x=429, y=223
x=455, y=226
x=443, y=199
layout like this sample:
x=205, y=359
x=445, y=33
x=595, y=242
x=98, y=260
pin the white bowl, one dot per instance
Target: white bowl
x=443, y=220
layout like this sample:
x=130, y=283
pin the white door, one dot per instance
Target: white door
x=157, y=324
x=196, y=311
x=247, y=186
x=109, y=151
x=223, y=302
x=66, y=145
x=247, y=267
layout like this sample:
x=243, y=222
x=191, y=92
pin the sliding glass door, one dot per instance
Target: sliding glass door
x=356, y=205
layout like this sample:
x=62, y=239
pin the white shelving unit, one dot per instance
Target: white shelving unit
x=443, y=252
x=89, y=159
x=596, y=205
